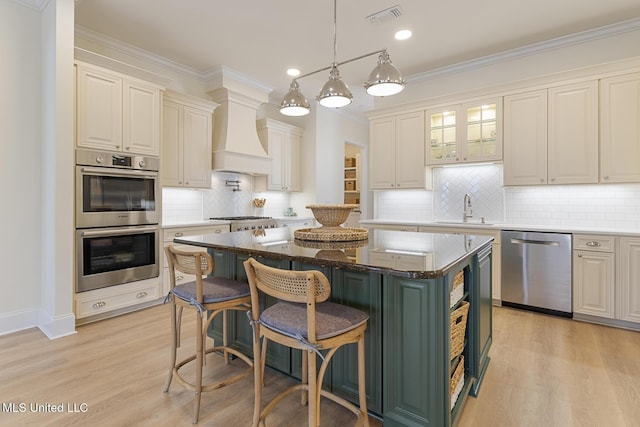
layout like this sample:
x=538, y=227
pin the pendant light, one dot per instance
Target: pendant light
x=384, y=80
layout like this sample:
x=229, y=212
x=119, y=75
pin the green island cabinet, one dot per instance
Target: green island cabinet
x=408, y=363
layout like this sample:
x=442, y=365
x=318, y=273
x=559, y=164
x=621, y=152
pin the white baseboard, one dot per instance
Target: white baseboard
x=57, y=327
x=18, y=321
x=36, y=318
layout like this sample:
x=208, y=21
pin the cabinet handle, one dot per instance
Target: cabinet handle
x=99, y=304
x=141, y=295
x=593, y=244
x=606, y=177
x=117, y=147
x=178, y=278
x=127, y=148
x=186, y=182
x=579, y=255
x=178, y=234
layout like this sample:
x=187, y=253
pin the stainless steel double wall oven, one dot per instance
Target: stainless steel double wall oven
x=117, y=216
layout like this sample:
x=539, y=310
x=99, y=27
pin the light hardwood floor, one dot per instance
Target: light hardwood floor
x=544, y=371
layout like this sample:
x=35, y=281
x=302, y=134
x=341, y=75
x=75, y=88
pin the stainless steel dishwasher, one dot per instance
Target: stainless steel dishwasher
x=536, y=271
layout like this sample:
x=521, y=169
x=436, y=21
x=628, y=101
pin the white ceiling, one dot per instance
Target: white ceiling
x=262, y=38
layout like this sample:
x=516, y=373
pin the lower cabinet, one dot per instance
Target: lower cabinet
x=116, y=299
x=408, y=367
x=606, y=280
x=593, y=276
x=628, y=306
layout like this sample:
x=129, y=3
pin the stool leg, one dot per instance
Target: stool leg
x=174, y=345
x=304, y=396
x=313, y=389
x=199, y=363
x=362, y=390
x=258, y=376
x=225, y=339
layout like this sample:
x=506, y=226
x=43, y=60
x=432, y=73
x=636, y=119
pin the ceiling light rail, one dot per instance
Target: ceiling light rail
x=384, y=80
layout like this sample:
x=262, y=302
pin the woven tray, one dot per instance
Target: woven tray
x=352, y=244
x=331, y=234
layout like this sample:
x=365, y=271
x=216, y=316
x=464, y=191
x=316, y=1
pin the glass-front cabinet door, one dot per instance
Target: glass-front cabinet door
x=443, y=135
x=482, y=137
x=465, y=133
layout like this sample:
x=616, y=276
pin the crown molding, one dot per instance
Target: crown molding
x=208, y=76
x=560, y=42
x=38, y=5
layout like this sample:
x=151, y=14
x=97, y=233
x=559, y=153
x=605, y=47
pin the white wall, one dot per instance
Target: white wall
x=36, y=164
x=20, y=166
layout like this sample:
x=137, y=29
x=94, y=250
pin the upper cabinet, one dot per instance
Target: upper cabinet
x=465, y=133
x=620, y=129
x=186, y=141
x=397, y=151
x=551, y=136
x=283, y=143
x=115, y=112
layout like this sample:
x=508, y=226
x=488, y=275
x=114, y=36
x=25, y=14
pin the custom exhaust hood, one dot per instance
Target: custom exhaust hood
x=236, y=146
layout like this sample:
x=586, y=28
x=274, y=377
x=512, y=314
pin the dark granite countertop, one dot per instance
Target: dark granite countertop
x=415, y=255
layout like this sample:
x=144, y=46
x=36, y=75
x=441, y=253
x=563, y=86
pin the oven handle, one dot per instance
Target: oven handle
x=119, y=172
x=117, y=231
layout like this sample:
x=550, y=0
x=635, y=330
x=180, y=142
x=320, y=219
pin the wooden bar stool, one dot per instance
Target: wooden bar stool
x=206, y=294
x=303, y=319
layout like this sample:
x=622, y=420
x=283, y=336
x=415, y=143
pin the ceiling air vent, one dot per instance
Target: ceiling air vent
x=383, y=16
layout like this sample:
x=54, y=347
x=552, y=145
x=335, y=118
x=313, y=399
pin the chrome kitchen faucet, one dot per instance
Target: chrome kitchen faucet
x=467, y=212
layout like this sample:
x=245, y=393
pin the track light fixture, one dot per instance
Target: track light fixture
x=384, y=80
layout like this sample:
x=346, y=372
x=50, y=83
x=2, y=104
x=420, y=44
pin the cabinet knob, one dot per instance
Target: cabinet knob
x=542, y=180
x=186, y=182
x=178, y=234
x=127, y=148
x=218, y=231
x=141, y=295
x=579, y=255
x=553, y=179
x=606, y=177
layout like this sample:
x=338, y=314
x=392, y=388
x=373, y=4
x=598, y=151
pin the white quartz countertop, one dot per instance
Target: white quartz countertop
x=491, y=226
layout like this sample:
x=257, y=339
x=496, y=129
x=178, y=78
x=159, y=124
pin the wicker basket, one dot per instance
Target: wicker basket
x=331, y=215
x=457, y=292
x=457, y=382
x=458, y=329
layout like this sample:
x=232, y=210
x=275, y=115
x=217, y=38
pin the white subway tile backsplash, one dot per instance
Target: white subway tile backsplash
x=189, y=205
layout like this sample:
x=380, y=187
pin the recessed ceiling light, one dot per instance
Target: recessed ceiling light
x=402, y=34
x=293, y=72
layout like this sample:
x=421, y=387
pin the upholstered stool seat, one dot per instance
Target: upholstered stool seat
x=303, y=319
x=331, y=319
x=208, y=296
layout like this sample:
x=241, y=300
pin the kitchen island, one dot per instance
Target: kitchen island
x=404, y=281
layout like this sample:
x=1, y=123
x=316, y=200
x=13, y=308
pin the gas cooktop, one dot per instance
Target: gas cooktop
x=239, y=218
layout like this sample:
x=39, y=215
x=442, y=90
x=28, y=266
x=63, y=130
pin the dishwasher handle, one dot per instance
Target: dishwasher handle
x=534, y=242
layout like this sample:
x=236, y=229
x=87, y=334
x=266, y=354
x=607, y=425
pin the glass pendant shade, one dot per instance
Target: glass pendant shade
x=335, y=92
x=294, y=103
x=385, y=79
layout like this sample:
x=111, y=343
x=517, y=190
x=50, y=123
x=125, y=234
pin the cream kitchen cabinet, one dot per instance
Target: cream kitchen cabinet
x=465, y=133
x=593, y=275
x=397, y=152
x=115, y=112
x=628, y=290
x=186, y=141
x=115, y=300
x=171, y=233
x=551, y=136
x=283, y=143
x=619, y=129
